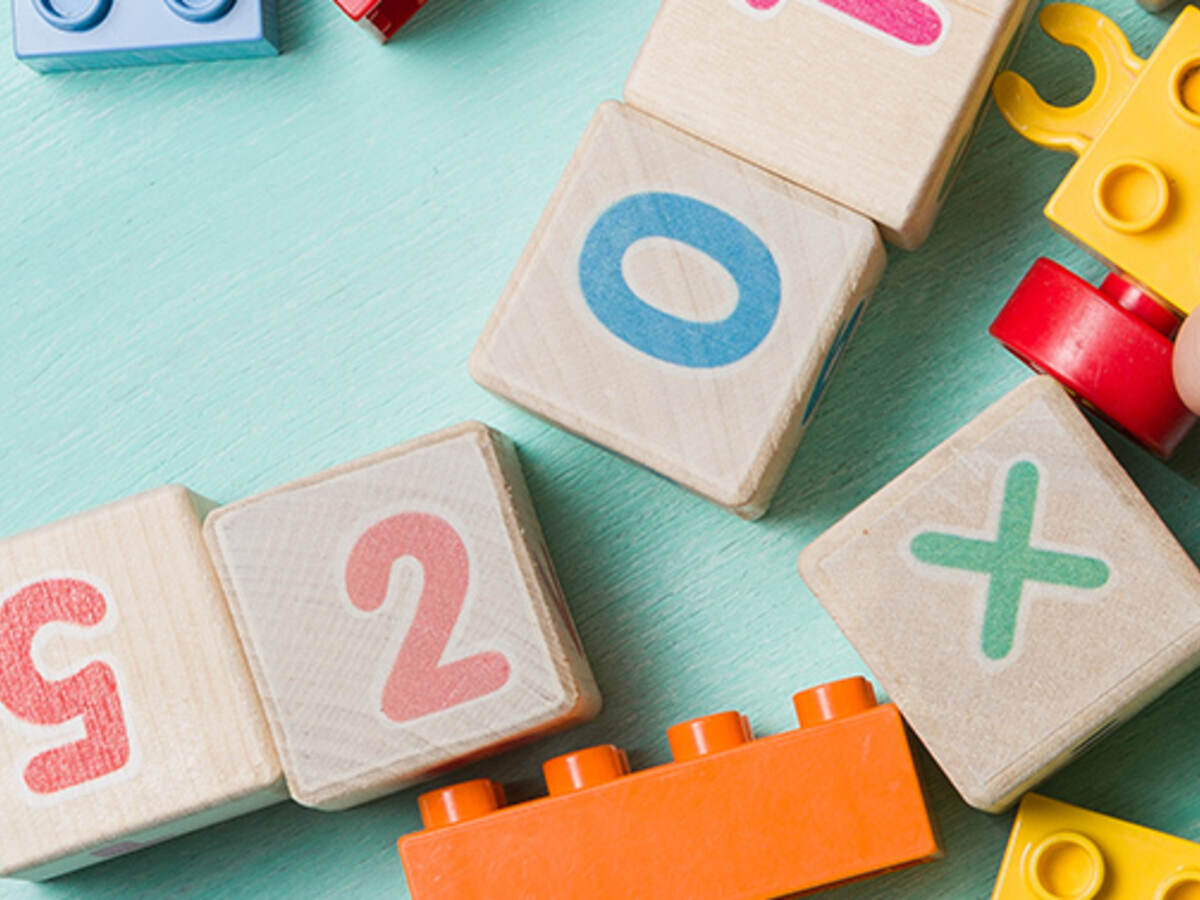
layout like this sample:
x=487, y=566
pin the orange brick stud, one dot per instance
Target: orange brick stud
x=732, y=817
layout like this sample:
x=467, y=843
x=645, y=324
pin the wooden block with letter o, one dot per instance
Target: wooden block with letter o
x=127, y=712
x=870, y=103
x=401, y=615
x=1014, y=593
x=680, y=307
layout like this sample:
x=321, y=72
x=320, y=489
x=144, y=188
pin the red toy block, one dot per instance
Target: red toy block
x=382, y=18
x=732, y=817
x=1110, y=347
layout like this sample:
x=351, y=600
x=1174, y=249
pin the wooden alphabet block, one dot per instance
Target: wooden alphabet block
x=680, y=307
x=1014, y=593
x=401, y=615
x=871, y=104
x=127, y=713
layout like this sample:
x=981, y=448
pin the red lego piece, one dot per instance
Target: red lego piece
x=732, y=817
x=1110, y=347
x=383, y=18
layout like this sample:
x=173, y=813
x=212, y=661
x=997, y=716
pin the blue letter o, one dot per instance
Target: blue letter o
x=700, y=345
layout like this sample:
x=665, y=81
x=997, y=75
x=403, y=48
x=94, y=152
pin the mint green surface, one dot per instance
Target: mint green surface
x=235, y=274
x=1009, y=560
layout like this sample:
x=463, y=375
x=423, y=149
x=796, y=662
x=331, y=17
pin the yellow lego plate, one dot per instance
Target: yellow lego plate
x=1061, y=852
x=1133, y=198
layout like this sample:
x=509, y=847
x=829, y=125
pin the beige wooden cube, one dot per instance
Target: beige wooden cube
x=680, y=307
x=871, y=104
x=401, y=615
x=1014, y=593
x=127, y=712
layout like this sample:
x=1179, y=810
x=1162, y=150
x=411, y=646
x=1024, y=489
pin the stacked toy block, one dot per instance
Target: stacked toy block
x=129, y=713
x=688, y=291
x=400, y=615
x=1014, y=593
x=731, y=817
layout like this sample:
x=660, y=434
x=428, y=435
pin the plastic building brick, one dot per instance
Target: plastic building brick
x=730, y=818
x=1061, y=852
x=1133, y=197
x=382, y=18
x=1110, y=347
x=50, y=35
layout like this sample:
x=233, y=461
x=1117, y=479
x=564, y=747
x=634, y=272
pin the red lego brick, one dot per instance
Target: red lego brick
x=1110, y=347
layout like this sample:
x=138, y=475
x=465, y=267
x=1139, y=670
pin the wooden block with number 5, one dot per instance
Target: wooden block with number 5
x=127, y=712
x=680, y=307
x=401, y=615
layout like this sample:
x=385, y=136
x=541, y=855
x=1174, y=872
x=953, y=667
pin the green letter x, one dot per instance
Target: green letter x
x=1010, y=560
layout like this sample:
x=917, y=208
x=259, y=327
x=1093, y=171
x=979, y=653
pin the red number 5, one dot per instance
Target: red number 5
x=419, y=683
x=91, y=693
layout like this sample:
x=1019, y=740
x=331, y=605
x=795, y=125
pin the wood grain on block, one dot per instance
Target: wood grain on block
x=127, y=711
x=1014, y=593
x=680, y=307
x=401, y=615
x=870, y=103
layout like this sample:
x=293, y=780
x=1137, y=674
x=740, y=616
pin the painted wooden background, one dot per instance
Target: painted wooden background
x=235, y=274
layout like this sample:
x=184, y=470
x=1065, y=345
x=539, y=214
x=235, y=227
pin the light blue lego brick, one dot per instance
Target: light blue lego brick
x=52, y=35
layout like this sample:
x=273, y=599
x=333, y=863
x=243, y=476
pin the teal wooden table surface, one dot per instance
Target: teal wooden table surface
x=234, y=274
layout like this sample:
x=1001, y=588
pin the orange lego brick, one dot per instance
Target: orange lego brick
x=732, y=817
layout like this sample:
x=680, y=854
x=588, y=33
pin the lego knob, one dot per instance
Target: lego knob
x=1065, y=866
x=200, y=10
x=584, y=769
x=1185, y=89
x=708, y=734
x=834, y=700
x=1183, y=885
x=460, y=802
x=1132, y=195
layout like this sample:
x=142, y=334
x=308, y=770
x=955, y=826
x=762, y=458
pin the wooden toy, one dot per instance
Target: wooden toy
x=381, y=18
x=1061, y=851
x=127, y=713
x=680, y=307
x=51, y=35
x=871, y=104
x=1014, y=593
x=401, y=615
x=730, y=818
x=1111, y=347
x=1131, y=196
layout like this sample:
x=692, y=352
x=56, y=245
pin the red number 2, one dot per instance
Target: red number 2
x=419, y=684
x=91, y=692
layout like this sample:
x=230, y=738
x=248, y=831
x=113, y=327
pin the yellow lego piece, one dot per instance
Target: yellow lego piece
x=1133, y=198
x=1061, y=852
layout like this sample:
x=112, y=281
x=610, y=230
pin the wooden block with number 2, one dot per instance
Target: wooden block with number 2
x=127, y=712
x=401, y=615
